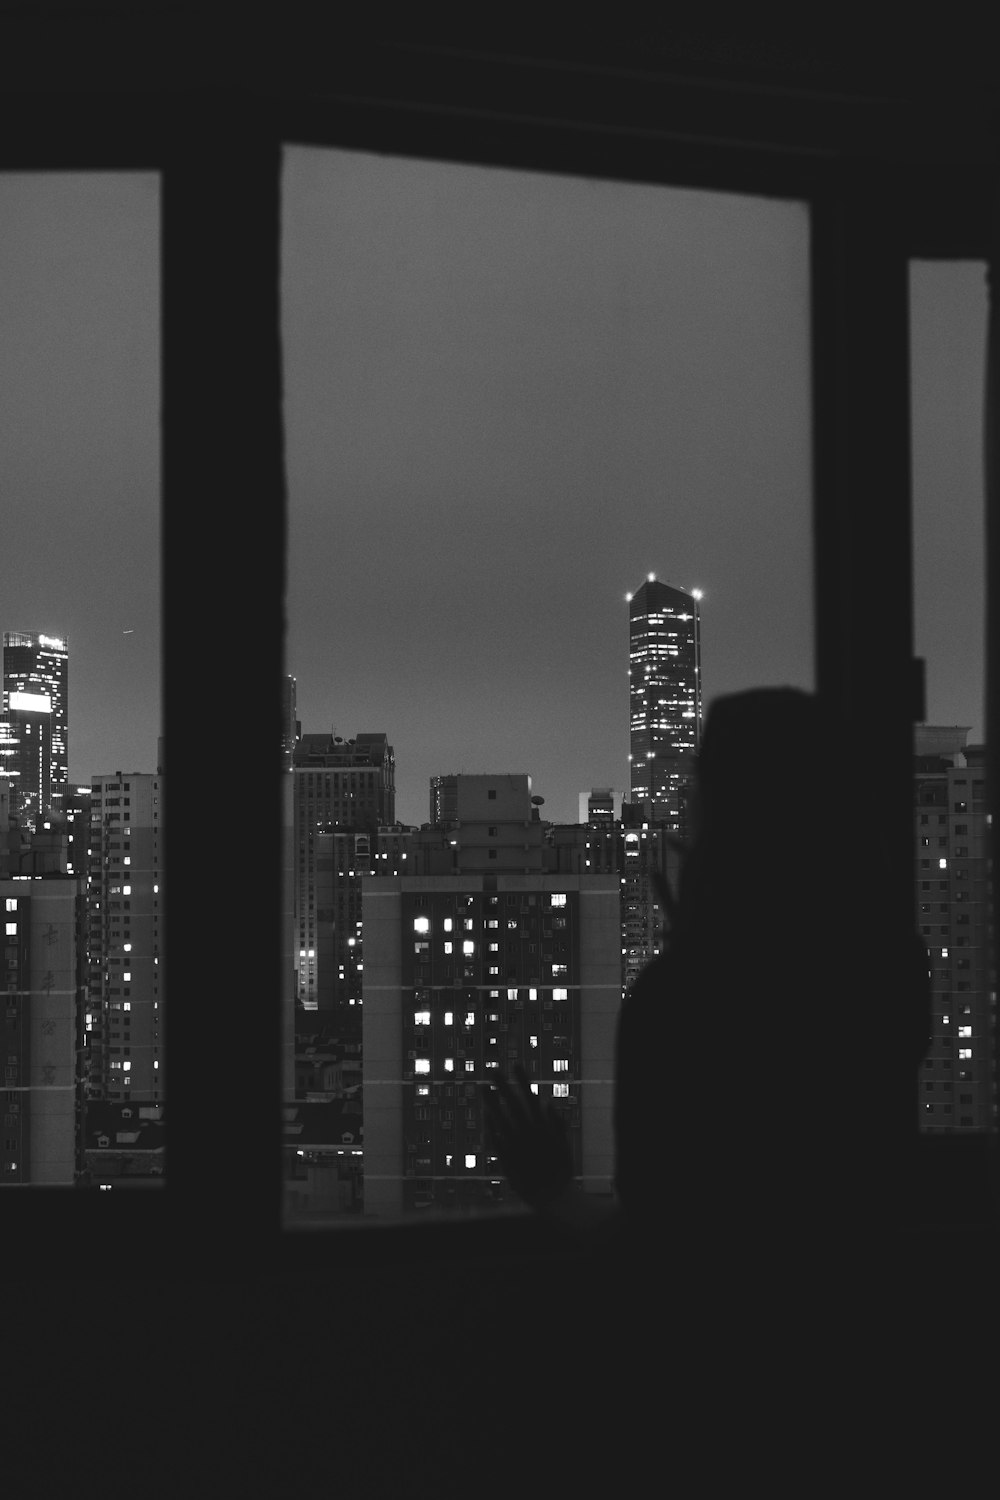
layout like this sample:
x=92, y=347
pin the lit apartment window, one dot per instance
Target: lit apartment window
x=560, y=1091
x=448, y=924
x=557, y=899
x=422, y=1065
x=421, y=1018
x=560, y=1065
x=423, y=924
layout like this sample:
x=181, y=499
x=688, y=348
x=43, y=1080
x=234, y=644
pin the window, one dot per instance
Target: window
x=618, y=186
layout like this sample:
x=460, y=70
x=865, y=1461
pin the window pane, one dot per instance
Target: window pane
x=83, y=1086
x=948, y=311
x=510, y=397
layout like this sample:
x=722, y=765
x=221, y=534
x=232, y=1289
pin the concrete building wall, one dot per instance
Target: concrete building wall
x=43, y=924
x=382, y=1051
x=52, y=1022
x=600, y=1004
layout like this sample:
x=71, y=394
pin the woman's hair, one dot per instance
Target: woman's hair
x=775, y=780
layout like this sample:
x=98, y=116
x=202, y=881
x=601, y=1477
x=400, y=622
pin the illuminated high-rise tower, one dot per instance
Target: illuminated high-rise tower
x=664, y=696
x=36, y=683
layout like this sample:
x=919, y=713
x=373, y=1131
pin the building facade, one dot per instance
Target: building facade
x=44, y=984
x=486, y=958
x=639, y=851
x=665, y=706
x=124, y=1021
x=958, y=1083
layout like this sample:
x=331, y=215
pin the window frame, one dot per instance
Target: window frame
x=218, y=153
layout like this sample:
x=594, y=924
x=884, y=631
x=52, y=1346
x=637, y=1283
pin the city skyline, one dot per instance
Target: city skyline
x=509, y=398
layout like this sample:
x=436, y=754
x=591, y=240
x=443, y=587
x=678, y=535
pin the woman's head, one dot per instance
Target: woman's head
x=766, y=765
x=773, y=781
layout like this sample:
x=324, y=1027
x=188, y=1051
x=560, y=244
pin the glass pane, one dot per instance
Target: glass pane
x=80, y=867
x=948, y=311
x=510, y=398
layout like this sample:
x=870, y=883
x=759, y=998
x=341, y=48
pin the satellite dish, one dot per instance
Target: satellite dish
x=538, y=801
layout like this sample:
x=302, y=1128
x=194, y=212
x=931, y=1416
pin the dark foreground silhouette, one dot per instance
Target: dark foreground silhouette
x=767, y=1058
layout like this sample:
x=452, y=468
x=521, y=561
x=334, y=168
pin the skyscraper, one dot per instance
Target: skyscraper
x=36, y=708
x=664, y=697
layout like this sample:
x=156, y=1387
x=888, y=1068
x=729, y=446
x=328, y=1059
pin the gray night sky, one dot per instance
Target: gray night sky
x=509, y=397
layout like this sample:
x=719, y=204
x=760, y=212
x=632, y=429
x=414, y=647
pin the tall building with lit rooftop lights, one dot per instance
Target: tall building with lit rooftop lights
x=665, y=710
x=36, y=718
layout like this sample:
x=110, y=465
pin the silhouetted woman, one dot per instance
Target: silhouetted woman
x=767, y=1059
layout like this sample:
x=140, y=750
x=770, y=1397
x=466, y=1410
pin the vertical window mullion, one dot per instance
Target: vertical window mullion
x=223, y=562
